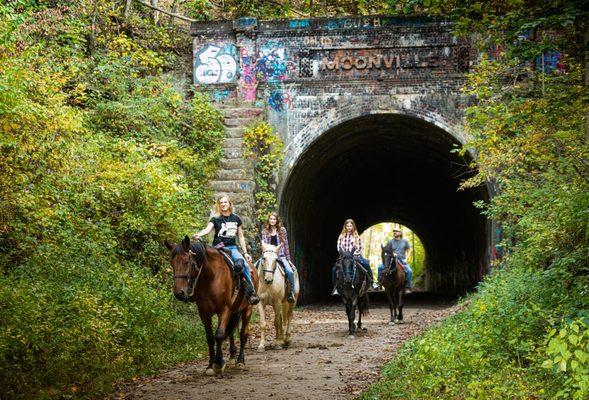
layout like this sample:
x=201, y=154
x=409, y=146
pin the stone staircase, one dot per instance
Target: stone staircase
x=236, y=175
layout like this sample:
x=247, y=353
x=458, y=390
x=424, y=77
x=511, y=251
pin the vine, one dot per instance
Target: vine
x=265, y=148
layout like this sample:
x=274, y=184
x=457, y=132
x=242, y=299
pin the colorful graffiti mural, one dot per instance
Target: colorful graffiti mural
x=216, y=64
x=271, y=65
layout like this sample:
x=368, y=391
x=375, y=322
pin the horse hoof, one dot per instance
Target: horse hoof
x=261, y=348
x=286, y=345
x=240, y=365
x=351, y=337
x=277, y=346
x=219, y=370
x=392, y=323
x=209, y=372
x=363, y=329
x=400, y=321
x=232, y=361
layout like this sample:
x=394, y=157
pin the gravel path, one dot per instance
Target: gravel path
x=321, y=362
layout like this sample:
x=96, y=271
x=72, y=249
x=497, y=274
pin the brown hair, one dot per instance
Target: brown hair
x=354, y=232
x=278, y=226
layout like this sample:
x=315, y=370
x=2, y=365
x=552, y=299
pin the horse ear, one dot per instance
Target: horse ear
x=168, y=245
x=186, y=243
x=278, y=247
x=382, y=246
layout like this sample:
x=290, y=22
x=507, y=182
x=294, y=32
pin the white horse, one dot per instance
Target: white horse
x=273, y=291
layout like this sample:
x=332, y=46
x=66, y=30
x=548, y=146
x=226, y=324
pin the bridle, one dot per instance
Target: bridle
x=272, y=271
x=388, y=269
x=193, y=266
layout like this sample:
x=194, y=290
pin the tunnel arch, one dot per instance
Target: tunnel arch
x=379, y=166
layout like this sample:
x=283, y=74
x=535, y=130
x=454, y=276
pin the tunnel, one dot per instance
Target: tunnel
x=378, y=168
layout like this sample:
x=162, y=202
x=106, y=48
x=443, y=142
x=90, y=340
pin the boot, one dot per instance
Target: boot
x=249, y=288
x=290, y=297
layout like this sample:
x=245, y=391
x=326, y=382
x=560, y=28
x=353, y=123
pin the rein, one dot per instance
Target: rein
x=192, y=266
x=275, y=264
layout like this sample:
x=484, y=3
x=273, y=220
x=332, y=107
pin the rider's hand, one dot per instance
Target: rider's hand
x=248, y=257
x=195, y=236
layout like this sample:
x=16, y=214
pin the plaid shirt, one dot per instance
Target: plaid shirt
x=283, y=251
x=346, y=243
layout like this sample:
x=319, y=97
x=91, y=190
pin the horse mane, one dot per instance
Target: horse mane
x=198, y=248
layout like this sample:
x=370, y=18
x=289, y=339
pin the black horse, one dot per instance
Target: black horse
x=352, y=283
x=393, y=282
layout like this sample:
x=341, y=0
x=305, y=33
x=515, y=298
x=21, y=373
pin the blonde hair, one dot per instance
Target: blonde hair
x=354, y=232
x=218, y=206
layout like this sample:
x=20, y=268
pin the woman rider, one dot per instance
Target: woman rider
x=227, y=227
x=349, y=240
x=275, y=234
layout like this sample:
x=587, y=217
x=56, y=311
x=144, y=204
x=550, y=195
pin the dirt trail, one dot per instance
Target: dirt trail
x=321, y=362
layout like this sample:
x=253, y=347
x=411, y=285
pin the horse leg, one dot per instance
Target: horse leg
x=218, y=365
x=231, y=325
x=243, y=335
x=362, y=303
x=208, y=324
x=262, y=312
x=401, y=304
x=351, y=318
x=277, y=306
x=395, y=297
x=391, y=307
x=287, y=309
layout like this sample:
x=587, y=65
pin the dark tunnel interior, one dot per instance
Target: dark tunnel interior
x=385, y=168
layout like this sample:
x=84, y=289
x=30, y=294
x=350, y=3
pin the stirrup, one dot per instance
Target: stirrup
x=408, y=291
x=253, y=299
x=334, y=292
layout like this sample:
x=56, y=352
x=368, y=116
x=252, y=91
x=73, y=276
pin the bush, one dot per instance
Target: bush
x=495, y=349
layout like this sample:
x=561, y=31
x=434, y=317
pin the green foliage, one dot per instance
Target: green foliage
x=266, y=149
x=102, y=159
x=568, y=352
x=494, y=349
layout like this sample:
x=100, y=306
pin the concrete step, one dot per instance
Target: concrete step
x=238, y=122
x=235, y=163
x=235, y=153
x=232, y=174
x=242, y=112
x=232, y=143
x=234, y=132
x=236, y=186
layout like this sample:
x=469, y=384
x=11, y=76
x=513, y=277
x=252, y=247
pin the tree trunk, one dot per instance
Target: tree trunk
x=128, y=7
x=156, y=13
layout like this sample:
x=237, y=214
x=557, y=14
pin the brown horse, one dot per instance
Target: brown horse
x=202, y=275
x=393, y=281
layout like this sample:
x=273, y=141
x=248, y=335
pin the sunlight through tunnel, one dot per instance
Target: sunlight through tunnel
x=382, y=168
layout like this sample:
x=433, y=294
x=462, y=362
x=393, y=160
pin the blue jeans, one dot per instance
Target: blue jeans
x=288, y=272
x=365, y=263
x=236, y=255
x=408, y=272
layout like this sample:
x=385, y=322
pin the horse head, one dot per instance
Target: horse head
x=389, y=259
x=270, y=255
x=185, y=266
x=348, y=266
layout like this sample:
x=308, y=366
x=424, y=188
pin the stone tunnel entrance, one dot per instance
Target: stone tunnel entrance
x=379, y=168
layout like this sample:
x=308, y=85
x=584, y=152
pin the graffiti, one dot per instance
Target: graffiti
x=215, y=64
x=248, y=75
x=271, y=65
x=552, y=62
x=367, y=22
x=220, y=95
x=317, y=41
x=280, y=100
x=299, y=23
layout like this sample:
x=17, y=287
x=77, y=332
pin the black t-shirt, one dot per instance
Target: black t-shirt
x=226, y=229
x=274, y=240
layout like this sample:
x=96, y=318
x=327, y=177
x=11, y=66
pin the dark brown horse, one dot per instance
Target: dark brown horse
x=352, y=283
x=201, y=275
x=393, y=282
